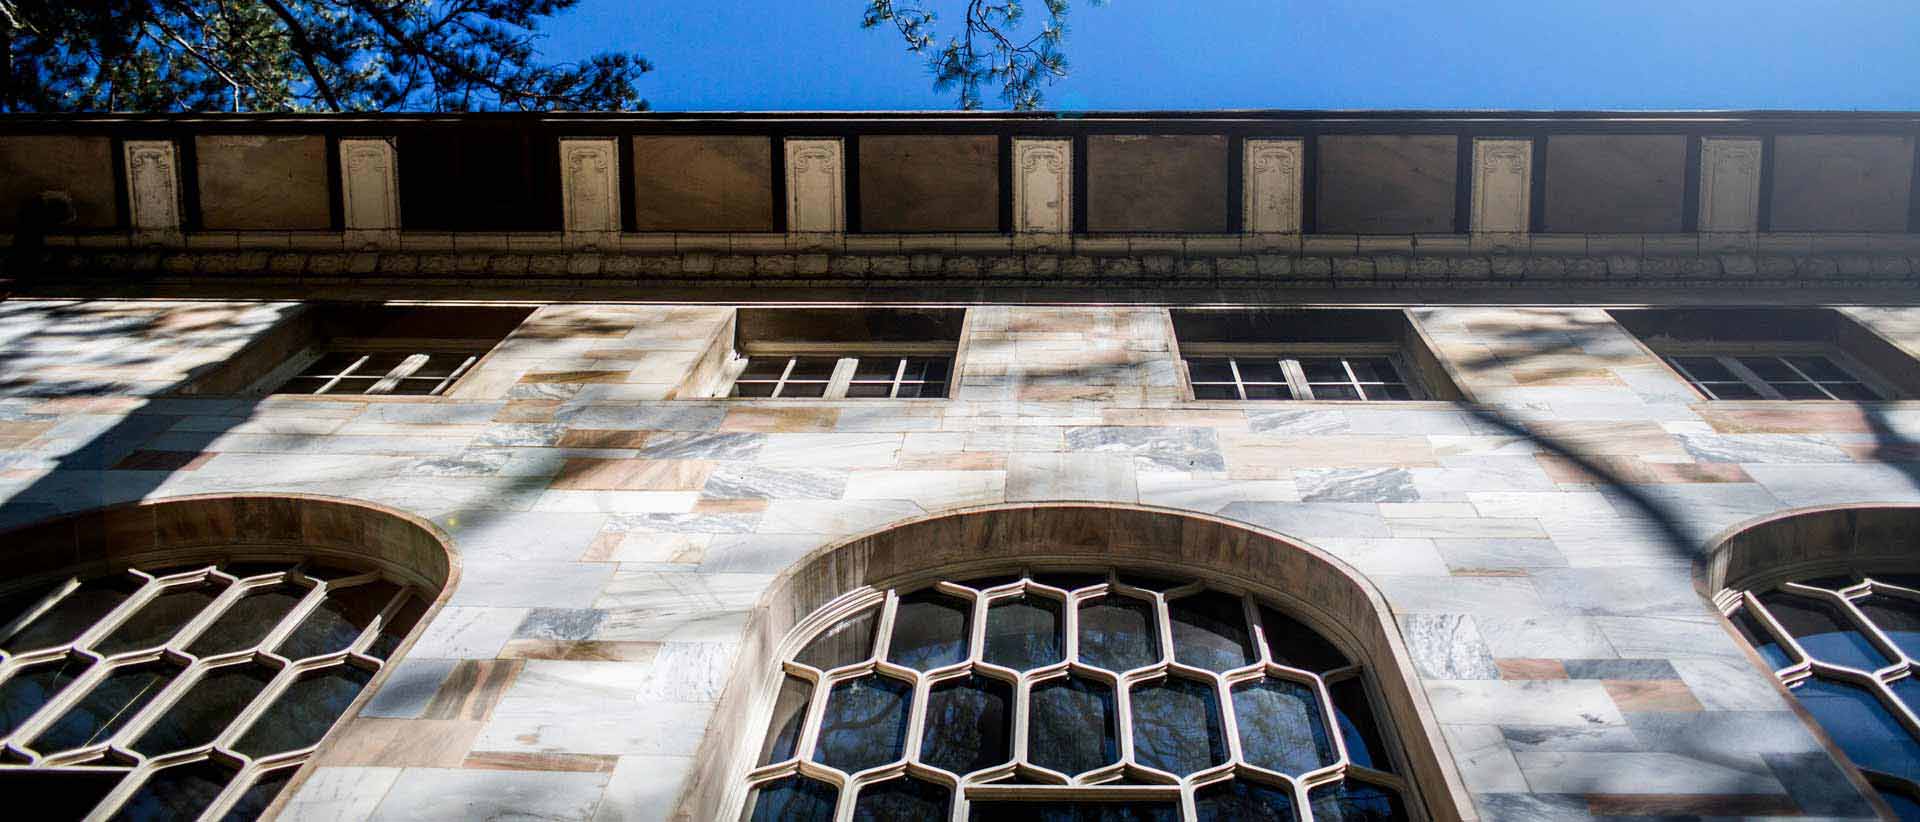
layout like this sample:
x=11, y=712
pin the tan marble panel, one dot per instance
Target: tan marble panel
x=703, y=183
x=1387, y=184
x=80, y=166
x=923, y=183
x=1841, y=182
x=1157, y=183
x=260, y=182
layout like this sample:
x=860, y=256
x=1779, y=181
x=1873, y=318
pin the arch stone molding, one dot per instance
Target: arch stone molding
x=1810, y=542
x=1317, y=588
x=208, y=526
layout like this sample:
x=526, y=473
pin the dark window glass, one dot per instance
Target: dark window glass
x=339, y=620
x=789, y=710
x=1389, y=392
x=804, y=390
x=1281, y=726
x=1819, y=368
x=929, y=630
x=1898, y=618
x=1275, y=391
x=254, y=802
x=968, y=725
x=1705, y=369
x=1024, y=633
x=1373, y=369
x=1073, y=726
x=62, y=794
x=1222, y=392
x=753, y=389
x=1762, y=640
x=1770, y=369
x=1323, y=369
x=1352, y=801
x=1339, y=392
x=1261, y=371
x=1862, y=727
x=29, y=688
x=871, y=390
x=1297, y=646
x=1852, y=391
x=1357, y=729
x=1177, y=727
x=764, y=368
x=156, y=621
x=1732, y=391
x=1136, y=811
x=1799, y=390
x=812, y=368
x=178, y=792
x=1118, y=633
x=74, y=613
x=205, y=710
x=848, y=642
x=303, y=712
x=876, y=368
x=395, y=630
x=865, y=723
x=793, y=799
x=1243, y=801
x=902, y=800
x=1823, y=631
x=1210, y=369
x=106, y=708
x=1210, y=631
x=1068, y=580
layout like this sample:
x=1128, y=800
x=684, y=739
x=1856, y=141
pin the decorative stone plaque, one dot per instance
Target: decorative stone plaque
x=590, y=188
x=1043, y=186
x=1502, y=185
x=816, y=186
x=370, y=191
x=1271, y=196
x=153, y=188
x=1729, y=185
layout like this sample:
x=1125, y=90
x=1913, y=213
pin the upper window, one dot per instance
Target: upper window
x=1152, y=699
x=372, y=369
x=365, y=349
x=169, y=692
x=1340, y=355
x=837, y=354
x=1847, y=646
x=1774, y=354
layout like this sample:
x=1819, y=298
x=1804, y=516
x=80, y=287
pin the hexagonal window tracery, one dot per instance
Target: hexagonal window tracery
x=187, y=691
x=1139, y=697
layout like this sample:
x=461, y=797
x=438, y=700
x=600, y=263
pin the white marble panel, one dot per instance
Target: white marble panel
x=1729, y=185
x=1272, y=192
x=1043, y=186
x=370, y=191
x=1502, y=185
x=590, y=186
x=153, y=187
x=816, y=186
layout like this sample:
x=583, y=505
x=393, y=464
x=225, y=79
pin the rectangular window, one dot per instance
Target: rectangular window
x=862, y=376
x=1770, y=376
x=376, y=371
x=1361, y=377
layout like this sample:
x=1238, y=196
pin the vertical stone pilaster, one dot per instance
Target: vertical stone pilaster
x=1042, y=186
x=370, y=192
x=1502, y=186
x=1271, y=195
x=590, y=190
x=153, y=190
x=816, y=186
x=1729, y=185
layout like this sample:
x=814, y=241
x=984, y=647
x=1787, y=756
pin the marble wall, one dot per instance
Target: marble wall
x=615, y=526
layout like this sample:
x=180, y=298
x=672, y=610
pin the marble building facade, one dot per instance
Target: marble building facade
x=1543, y=525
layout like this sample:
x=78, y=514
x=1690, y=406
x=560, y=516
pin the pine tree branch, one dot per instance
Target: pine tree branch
x=303, y=47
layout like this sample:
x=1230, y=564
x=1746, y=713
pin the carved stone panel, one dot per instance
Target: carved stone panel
x=370, y=190
x=1043, y=186
x=1729, y=184
x=153, y=186
x=816, y=186
x=1271, y=196
x=590, y=185
x=1502, y=185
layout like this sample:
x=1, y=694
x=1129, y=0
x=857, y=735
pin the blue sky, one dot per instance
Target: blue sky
x=1213, y=54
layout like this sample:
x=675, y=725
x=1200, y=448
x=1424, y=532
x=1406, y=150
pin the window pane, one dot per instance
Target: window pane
x=1297, y=646
x=1218, y=392
x=1769, y=368
x=1357, y=729
x=1261, y=370
x=1819, y=368
x=753, y=389
x=204, y=711
x=1274, y=391
x=1335, y=392
x=764, y=368
x=380, y=362
x=1177, y=726
x=29, y=689
x=1210, y=631
x=156, y=621
x=900, y=800
x=1243, y=801
x=1731, y=391
x=1898, y=618
x=968, y=725
x=353, y=385
x=1209, y=369
x=339, y=620
x=865, y=724
x=1705, y=369
x=922, y=390
x=414, y=388
x=1861, y=726
x=793, y=799
x=107, y=707
x=1762, y=640
x=1823, y=631
x=1118, y=634
x=1389, y=391
x=1323, y=369
x=789, y=710
x=927, y=369
x=1374, y=369
x=303, y=385
x=866, y=390
x=247, y=620
x=442, y=364
x=1024, y=633
x=813, y=368
x=1850, y=391
x=254, y=802
x=178, y=792
x=876, y=368
x=1281, y=726
x=304, y=711
x=848, y=642
x=929, y=630
x=333, y=362
x=1073, y=727
x=1799, y=390
x=804, y=389
x=1133, y=811
x=1353, y=801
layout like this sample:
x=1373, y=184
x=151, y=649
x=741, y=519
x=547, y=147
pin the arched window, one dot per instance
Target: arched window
x=189, y=680
x=1072, y=662
x=1828, y=603
x=1157, y=699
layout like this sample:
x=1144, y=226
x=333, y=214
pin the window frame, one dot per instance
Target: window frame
x=847, y=362
x=1289, y=356
x=1728, y=354
x=295, y=367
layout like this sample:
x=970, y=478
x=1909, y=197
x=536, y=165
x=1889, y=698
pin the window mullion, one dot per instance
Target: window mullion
x=899, y=376
x=1747, y=376
x=412, y=363
x=1239, y=387
x=1296, y=378
x=780, y=383
x=344, y=372
x=842, y=375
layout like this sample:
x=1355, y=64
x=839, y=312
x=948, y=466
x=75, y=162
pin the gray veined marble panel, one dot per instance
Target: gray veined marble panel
x=689, y=672
x=1155, y=448
x=1297, y=422
x=1622, y=591
x=643, y=788
x=649, y=417
x=1803, y=485
x=1619, y=669
x=1768, y=448
x=1570, y=738
x=702, y=446
x=464, y=464
x=1702, y=733
x=1523, y=702
x=1530, y=807
x=1731, y=684
x=520, y=433
x=759, y=482
x=408, y=688
x=1312, y=519
x=1356, y=485
x=1406, y=421
x=1447, y=646
x=1646, y=773
x=529, y=536
x=340, y=794
x=530, y=584
x=757, y=553
x=1467, y=554
x=560, y=623
x=1673, y=636
x=435, y=793
x=467, y=633
x=688, y=523
x=1543, y=637
x=1486, y=763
